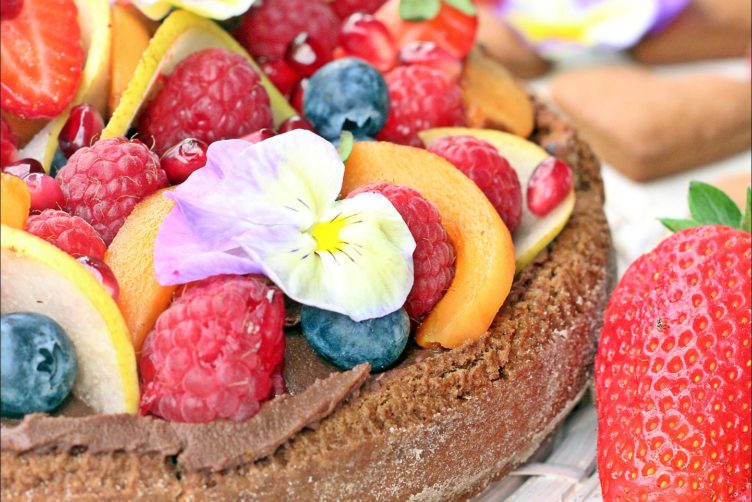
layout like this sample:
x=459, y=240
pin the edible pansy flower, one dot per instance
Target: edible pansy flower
x=214, y=9
x=559, y=28
x=272, y=208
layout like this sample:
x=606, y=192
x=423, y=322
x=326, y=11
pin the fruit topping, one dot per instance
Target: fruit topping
x=364, y=37
x=42, y=58
x=281, y=74
x=37, y=364
x=218, y=95
x=346, y=343
x=182, y=159
x=24, y=167
x=102, y=272
x=297, y=94
x=259, y=136
x=15, y=201
x=433, y=259
x=432, y=55
x=214, y=352
x=484, y=263
x=102, y=183
x=10, y=8
x=346, y=94
x=304, y=55
x=295, y=122
x=38, y=277
x=420, y=98
x=549, y=184
x=8, y=150
x=45, y=192
x=345, y=8
x=480, y=161
x=267, y=28
x=83, y=127
x=69, y=233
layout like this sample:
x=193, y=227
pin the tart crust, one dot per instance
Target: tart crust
x=441, y=428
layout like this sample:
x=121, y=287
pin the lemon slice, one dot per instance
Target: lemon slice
x=38, y=277
x=533, y=233
x=94, y=19
x=179, y=36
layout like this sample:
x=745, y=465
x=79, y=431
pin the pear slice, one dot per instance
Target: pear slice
x=534, y=233
x=179, y=36
x=38, y=277
x=94, y=19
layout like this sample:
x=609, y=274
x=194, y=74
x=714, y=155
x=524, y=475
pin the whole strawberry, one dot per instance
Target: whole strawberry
x=673, y=369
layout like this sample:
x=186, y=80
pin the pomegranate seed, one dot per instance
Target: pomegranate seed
x=83, y=127
x=296, y=99
x=103, y=273
x=365, y=37
x=10, y=8
x=259, y=136
x=45, y=192
x=432, y=55
x=282, y=75
x=305, y=55
x=549, y=184
x=24, y=167
x=295, y=122
x=184, y=158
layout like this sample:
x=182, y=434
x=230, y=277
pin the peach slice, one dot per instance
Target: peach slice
x=484, y=248
x=15, y=201
x=131, y=258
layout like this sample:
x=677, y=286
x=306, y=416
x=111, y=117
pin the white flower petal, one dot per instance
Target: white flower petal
x=214, y=9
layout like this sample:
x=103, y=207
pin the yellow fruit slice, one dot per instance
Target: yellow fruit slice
x=15, y=201
x=179, y=36
x=533, y=233
x=94, y=18
x=38, y=277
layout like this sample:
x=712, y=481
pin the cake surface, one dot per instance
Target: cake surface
x=439, y=427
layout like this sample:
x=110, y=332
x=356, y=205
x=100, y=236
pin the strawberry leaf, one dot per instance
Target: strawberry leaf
x=419, y=10
x=675, y=225
x=747, y=218
x=345, y=146
x=709, y=205
x=465, y=6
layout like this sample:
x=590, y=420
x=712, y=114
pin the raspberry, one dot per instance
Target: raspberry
x=102, y=183
x=480, y=161
x=70, y=233
x=433, y=258
x=344, y=8
x=268, y=28
x=216, y=352
x=213, y=94
x=421, y=98
x=8, y=151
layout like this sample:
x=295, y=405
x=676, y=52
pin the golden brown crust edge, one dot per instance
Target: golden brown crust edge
x=440, y=429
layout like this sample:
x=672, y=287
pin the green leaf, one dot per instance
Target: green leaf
x=676, y=225
x=344, y=149
x=709, y=205
x=419, y=10
x=747, y=218
x=465, y=6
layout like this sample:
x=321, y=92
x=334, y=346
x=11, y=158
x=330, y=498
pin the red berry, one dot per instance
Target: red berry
x=182, y=159
x=70, y=233
x=433, y=258
x=298, y=92
x=42, y=58
x=420, y=98
x=103, y=273
x=102, y=183
x=24, y=167
x=549, y=184
x=673, y=373
x=45, y=192
x=344, y=8
x=295, y=122
x=10, y=8
x=480, y=161
x=212, y=94
x=305, y=55
x=432, y=55
x=282, y=75
x=364, y=37
x=216, y=352
x=259, y=136
x=83, y=127
x=267, y=29
x=8, y=150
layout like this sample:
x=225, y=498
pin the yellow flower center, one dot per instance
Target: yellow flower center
x=326, y=235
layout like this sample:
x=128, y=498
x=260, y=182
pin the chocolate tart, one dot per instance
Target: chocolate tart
x=440, y=426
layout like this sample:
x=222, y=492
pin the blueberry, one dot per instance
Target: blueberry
x=58, y=162
x=346, y=343
x=347, y=94
x=37, y=364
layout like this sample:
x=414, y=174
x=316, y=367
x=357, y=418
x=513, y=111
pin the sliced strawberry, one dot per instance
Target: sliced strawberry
x=40, y=58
